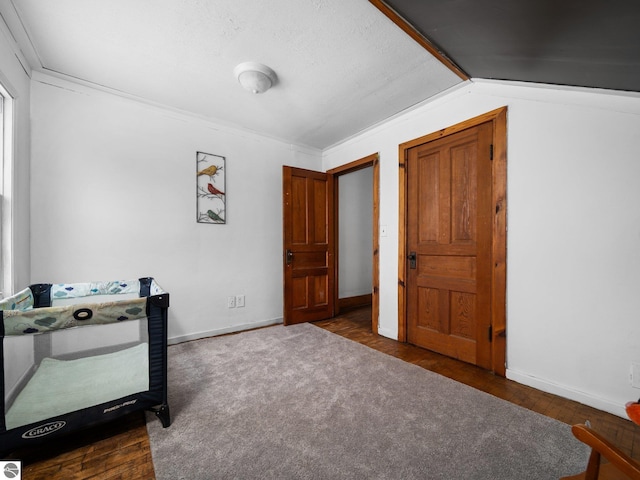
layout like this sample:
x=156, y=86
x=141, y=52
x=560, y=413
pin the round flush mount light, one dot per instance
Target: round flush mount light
x=255, y=77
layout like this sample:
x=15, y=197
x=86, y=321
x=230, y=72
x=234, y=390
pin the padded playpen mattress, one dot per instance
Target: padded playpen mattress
x=63, y=386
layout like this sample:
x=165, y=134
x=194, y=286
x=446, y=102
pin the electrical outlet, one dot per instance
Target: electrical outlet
x=231, y=302
x=239, y=301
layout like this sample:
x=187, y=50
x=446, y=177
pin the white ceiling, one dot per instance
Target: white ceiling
x=342, y=65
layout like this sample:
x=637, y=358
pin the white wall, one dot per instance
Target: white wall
x=355, y=231
x=573, y=271
x=114, y=197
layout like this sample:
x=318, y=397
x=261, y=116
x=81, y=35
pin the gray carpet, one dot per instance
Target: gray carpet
x=302, y=403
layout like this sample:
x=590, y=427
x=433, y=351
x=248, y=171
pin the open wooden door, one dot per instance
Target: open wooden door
x=309, y=245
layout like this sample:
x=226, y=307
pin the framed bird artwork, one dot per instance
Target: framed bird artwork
x=210, y=184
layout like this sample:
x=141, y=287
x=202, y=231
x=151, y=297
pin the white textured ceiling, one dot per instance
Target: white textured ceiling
x=342, y=65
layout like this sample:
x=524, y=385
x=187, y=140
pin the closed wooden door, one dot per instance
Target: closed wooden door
x=449, y=239
x=308, y=245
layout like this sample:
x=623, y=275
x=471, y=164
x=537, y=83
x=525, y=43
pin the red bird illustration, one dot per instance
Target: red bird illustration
x=213, y=190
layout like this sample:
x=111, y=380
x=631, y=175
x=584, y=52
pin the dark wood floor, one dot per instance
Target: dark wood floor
x=121, y=450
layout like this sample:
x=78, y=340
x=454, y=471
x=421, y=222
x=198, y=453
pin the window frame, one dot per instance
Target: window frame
x=7, y=122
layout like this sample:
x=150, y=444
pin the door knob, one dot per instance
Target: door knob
x=289, y=257
x=412, y=257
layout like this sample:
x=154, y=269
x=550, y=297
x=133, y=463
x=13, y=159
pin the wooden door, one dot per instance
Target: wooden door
x=308, y=245
x=449, y=245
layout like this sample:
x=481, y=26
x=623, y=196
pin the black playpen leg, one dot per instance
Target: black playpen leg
x=162, y=412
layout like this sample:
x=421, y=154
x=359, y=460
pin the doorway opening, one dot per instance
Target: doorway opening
x=355, y=218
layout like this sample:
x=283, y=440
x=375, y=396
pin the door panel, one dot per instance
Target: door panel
x=308, y=245
x=449, y=229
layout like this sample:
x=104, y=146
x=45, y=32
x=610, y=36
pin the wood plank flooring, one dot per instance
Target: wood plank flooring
x=120, y=450
x=114, y=451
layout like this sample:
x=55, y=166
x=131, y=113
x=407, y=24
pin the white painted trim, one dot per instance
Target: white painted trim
x=385, y=332
x=559, y=88
x=13, y=30
x=445, y=95
x=224, y=330
x=78, y=85
x=566, y=392
x=7, y=205
x=581, y=97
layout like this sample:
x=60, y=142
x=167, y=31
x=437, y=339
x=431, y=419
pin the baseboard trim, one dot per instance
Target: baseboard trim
x=355, y=301
x=388, y=333
x=224, y=330
x=563, y=391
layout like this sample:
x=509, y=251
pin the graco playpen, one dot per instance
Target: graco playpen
x=75, y=355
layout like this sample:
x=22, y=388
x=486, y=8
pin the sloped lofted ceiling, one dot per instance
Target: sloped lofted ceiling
x=586, y=43
x=342, y=66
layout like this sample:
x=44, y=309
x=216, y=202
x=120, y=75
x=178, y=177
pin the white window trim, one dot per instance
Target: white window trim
x=6, y=193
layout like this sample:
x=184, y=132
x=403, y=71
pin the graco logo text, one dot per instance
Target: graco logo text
x=43, y=430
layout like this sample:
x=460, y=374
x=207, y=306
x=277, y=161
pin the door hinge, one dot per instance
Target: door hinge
x=490, y=333
x=491, y=152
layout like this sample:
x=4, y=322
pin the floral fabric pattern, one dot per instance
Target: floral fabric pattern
x=20, y=318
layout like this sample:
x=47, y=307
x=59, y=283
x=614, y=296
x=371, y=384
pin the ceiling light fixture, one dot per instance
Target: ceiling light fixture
x=255, y=77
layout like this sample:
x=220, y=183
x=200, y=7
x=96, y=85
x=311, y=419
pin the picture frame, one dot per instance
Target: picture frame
x=211, y=198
